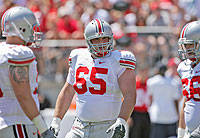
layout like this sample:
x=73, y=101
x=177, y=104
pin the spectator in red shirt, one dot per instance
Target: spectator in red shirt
x=66, y=24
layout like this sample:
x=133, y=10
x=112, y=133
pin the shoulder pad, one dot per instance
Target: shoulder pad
x=184, y=66
x=72, y=57
x=179, y=69
x=126, y=59
x=20, y=55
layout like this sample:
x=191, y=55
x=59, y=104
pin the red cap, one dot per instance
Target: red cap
x=173, y=62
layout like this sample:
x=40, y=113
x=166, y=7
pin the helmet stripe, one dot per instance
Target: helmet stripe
x=99, y=26
x=2, y=22
x=183, y=31
x=102, y=26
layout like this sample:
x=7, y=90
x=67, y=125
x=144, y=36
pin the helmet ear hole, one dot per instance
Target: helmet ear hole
x=22, y=29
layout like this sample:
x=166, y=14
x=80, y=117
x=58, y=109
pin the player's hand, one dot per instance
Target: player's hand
x=187, y=135
x=195, y=133
x=48, y=134
x=55, y=125
x=118, y=128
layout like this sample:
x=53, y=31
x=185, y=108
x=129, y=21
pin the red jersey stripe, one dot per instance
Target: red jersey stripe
x=127, y=62
x=19, y=130
x=21, y=62
x=99, y=26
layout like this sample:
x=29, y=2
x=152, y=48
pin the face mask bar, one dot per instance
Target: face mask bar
x=102, y=49
x=188, y=53
x=37, y=37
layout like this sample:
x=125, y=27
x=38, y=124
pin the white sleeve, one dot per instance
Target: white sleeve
x=20, y=56
x=127, y=60
x=149, y=87
x=72, y=63
x=180, y=67
x=70, y=76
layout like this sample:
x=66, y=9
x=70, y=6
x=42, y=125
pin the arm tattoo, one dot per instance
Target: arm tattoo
x=20, y=74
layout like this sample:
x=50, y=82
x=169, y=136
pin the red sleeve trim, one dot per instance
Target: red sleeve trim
x=127, y=62
x=21, y=62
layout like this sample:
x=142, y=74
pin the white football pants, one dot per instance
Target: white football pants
x=19, y=131
x=81, y=129
x=192, y=115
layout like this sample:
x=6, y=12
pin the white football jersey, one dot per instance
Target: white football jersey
x=95, y=81
x=190, y=78
x=10, y=109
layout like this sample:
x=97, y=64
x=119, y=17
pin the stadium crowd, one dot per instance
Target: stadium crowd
x=66, y=19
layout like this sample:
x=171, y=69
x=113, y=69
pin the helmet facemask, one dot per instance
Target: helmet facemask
x=100, y=49
x=95, y=33
x=37, y=36
x=188, y=49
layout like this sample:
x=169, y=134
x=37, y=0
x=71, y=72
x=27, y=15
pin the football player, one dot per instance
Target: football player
x=104, y=81
x=19, y=105
x=189, y=71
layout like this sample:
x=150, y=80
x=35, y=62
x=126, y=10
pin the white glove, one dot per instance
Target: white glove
x=118, y=128
x=55, y=125
x=187, y=133
x=181, y=133
x=195, y=133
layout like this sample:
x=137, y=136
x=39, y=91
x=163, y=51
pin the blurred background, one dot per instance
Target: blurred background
x=148, y=28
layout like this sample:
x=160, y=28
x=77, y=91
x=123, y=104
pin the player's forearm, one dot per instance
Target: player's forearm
x=127, y=83
x=176, y=102
x=25, y=99
x=127, y=106
x=64, y=101
x=181, y=117
x=29, y=106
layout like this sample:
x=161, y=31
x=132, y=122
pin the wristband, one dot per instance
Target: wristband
x=56, y=121
x=40, y=124
x=181, y=132
x=121, y=121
